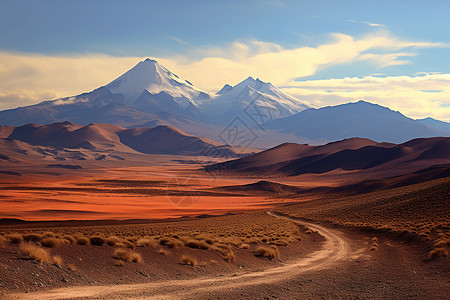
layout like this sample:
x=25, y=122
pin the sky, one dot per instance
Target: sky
x=393, y=53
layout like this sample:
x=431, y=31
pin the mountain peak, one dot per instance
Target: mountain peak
x=150, y=76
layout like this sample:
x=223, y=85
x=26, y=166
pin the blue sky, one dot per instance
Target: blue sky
x=212, y=42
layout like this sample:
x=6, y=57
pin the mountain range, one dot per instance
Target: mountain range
x=101, y=140
x=350, y=155
x=149, y=95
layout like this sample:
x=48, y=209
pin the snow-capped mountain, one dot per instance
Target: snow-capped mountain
x=150, y=81
x=251, y=96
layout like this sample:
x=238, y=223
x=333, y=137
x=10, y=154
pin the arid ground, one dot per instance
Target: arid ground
x=165, y=229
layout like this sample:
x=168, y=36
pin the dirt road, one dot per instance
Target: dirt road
x=335, y=249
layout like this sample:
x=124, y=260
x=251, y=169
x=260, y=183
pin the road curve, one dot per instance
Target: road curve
x=335, y=248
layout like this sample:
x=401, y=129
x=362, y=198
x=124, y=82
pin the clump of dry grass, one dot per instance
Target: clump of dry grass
x=244, y=246
x=48, y=234
x=171, y=242
x=441, y=248
x=127, y=255
x=14, y=238
x=2, y=241
x=71, y=267
x=146, y=242
x=163, y=251
x=197, y=244
x=57, y=261
x=119, y=263
x=32, y=237
x=188, y=260
x=51, y=242
x=97, y=240
x=270, y=252
x=82, y=240
x=112, y=241
x=38, y=253
x=70, y=239
x=225, y=250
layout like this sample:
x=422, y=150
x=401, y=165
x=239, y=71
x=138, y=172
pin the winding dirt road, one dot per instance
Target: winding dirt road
x=335, y=249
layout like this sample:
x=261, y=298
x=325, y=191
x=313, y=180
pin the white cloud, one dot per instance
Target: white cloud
x=414, y=96
x=29, y=78
x=367, y=23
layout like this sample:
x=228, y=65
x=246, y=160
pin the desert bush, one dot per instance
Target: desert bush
x=188, y=260
x=38, y=253
x=129, y=244
x=171, y=242
x=97, y=240
x=163, y=251
x=244, y=246
x=57, y=261
x=374, y=247
x=437, y=252
x=197, y=244
x=82, y=240
x=2, y=241
x=146, y=242
x=32, y=237
x=112, y=241
x=127, y=255
x=268, y=252
x=71, y=239
x=71, y=267
x=14, y=238
x=48, y=234
x=51, y=242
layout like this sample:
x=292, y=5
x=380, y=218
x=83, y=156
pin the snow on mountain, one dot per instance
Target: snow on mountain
x=150, y=77
x=252, y=94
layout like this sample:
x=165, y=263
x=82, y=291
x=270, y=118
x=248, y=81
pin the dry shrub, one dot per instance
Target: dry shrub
x=188, y=260
x=51, y=242
x=146, y=242
x=119, y=263
x=163, y=251
x=244, y=246
x=14, y=238
x=437, y=252
x=32, y=237
x=71, y=267
x=97, y=240
x=192, y=243
x=82, y=240
x=374, y=247
x=48, y=234
x=38, y=253
x=71, y=239
x=171, y=242
x=2, y=241
x=268, y=252
x=129, y=244
x=226, y=251
x=57, y=261
x=112, y=241
x=127, y=255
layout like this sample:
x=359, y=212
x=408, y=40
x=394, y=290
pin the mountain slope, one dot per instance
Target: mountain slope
x=149, y=77
x=135, y=98
x=251, y=96
x=436, y=124
x=347, y=155
x=360, y=119
x=106, y=137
